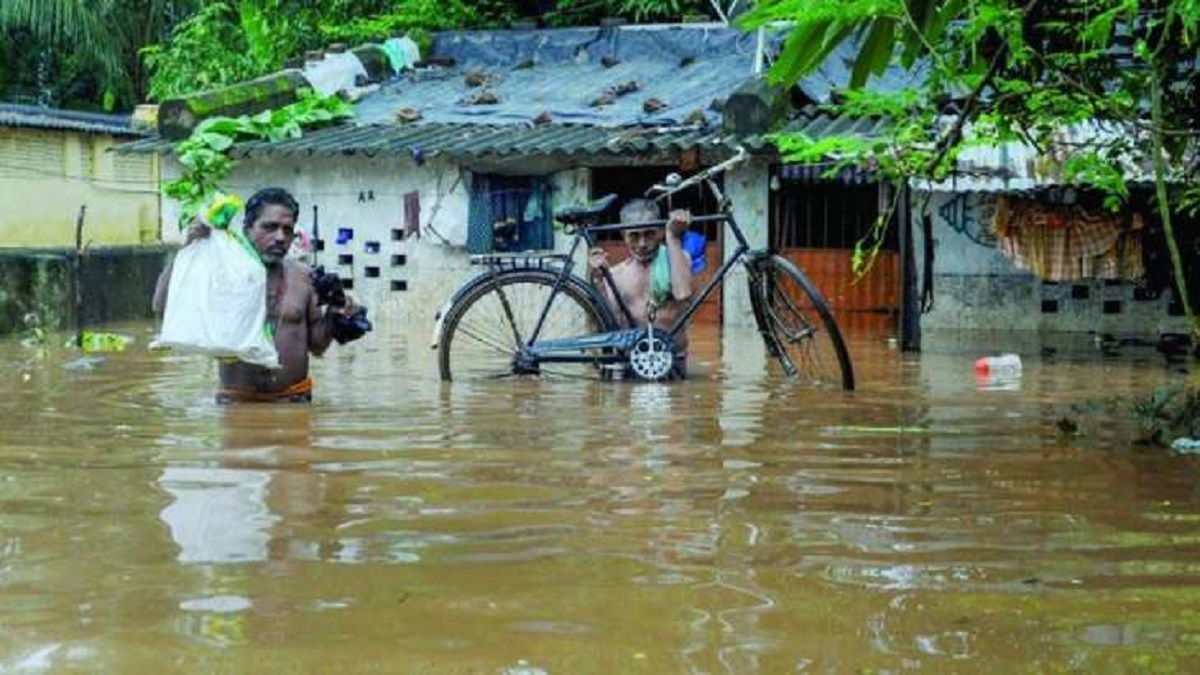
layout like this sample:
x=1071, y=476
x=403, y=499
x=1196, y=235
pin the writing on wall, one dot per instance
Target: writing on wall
x=970, y=215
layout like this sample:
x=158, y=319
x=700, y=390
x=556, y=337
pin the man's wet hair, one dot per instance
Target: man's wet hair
x=267, y=197
x=640, y=211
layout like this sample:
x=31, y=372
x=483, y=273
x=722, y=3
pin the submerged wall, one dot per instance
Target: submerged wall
x=118, y=284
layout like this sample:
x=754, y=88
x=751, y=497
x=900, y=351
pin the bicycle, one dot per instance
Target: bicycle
x=530, y=315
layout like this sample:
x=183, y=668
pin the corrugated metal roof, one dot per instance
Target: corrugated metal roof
x=1016, y=166
x=816, y=124
x=563, y=71
x=471, y=140
x=458, y=140
x=13, y=115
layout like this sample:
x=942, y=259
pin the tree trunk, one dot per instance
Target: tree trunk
x=1164, y=203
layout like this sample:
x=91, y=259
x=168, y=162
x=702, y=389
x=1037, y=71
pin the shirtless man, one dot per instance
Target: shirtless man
x=632, y=277
x=302, y=324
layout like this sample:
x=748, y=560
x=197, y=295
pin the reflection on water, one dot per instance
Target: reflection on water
x=218, y=515
x=730, y=523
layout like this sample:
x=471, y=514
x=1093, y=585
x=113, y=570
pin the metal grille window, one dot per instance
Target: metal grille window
x=509, y=213
x=632, y=182
x=824, y=214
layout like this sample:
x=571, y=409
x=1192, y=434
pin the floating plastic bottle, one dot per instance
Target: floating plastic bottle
x=1005, y=364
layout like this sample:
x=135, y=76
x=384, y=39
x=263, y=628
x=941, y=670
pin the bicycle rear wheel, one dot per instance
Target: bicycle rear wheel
x=797, y=325
x=484, y=330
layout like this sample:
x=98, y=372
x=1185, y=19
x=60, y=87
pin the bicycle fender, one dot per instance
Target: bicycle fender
x=439, y=321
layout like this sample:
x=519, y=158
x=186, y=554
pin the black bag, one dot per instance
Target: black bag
x=349, y=328
x=328, y=286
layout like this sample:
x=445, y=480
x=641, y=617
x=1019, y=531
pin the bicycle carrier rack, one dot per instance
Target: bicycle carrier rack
x=536, y=260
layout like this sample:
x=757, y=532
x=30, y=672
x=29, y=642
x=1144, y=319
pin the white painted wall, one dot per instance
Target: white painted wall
x=367, y=195
x=747, y=185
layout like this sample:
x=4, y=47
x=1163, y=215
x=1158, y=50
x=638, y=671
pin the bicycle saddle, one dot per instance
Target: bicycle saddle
x=580, y=214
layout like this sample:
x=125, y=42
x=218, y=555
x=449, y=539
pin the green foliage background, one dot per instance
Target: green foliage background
x=112, y=54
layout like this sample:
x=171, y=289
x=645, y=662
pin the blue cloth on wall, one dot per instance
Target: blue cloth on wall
x=522, y=201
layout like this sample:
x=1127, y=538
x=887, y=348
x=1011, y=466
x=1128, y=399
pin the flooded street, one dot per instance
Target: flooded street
x=732, y=523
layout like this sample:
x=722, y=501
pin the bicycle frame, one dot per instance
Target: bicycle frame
x=616, y=343
x=551, y=351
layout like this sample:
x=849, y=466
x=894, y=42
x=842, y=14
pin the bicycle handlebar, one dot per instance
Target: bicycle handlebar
x=642, y=225
x=665, y=191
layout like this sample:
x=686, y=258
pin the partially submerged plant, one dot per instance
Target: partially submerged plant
x=1169, y=412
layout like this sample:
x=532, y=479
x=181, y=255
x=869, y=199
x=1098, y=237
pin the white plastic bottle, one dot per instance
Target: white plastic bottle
x=1005, y=364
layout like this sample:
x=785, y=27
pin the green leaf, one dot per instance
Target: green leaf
x=875, y=53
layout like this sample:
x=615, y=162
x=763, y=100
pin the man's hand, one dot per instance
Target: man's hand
x=679, y=222
x=200, y=229
x=347, y=309
x=597, y=262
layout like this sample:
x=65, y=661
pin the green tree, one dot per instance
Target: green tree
x=994, y=71
x=98, y=39
x=227, y=42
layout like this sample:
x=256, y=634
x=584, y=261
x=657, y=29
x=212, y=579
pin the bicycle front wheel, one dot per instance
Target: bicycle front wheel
x=484, y=331
x=797, y=325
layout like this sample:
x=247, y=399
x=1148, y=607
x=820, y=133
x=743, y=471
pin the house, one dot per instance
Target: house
x=52, y=162
x=474, y=148
x=1008, y=243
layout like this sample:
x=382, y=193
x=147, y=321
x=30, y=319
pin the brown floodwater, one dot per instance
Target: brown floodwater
x=732, y=523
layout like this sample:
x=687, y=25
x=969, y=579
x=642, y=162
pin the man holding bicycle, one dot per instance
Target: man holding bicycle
x=654, y=289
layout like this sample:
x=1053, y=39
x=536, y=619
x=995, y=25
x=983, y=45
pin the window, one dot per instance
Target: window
x=509, y=213
x=824, y=214
x=632, y=182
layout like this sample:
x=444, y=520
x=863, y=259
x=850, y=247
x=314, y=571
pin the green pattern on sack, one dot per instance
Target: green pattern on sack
x=660, y=277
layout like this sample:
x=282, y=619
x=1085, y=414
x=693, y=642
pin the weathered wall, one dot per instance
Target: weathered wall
x=748, y=186
x=45, y=176
x=118, y=284
x=366, y=195
x=977, y=288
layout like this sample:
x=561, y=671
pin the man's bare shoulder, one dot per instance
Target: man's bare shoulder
x=297, y=271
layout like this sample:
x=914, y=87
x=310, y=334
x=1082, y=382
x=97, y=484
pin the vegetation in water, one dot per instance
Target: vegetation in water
x=1168, y=413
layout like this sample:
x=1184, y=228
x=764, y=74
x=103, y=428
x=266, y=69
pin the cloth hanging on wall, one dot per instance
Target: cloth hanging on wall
x=1068, y=243
x=509, y=213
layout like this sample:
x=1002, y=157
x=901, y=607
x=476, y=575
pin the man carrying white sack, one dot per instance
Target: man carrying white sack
x=301, y=319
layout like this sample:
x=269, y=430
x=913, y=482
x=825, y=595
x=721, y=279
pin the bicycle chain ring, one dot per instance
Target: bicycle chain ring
x=651, y=358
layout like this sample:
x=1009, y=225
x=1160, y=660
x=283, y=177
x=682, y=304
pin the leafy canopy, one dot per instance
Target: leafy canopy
x=1121, y=75
x=205, y=155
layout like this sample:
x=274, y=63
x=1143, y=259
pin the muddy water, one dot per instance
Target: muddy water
x=732, y=523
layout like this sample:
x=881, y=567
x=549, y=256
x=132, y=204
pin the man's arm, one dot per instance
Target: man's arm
x=681, y=262
x=597, y=263
x=320, y=322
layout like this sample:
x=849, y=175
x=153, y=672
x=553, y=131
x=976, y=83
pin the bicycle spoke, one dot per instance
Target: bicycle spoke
x=806, y=340
x=506, y=308
x=486, y=341
x=512, y=322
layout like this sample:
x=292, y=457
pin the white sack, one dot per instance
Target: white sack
x=334, y=73
x=217, y=302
